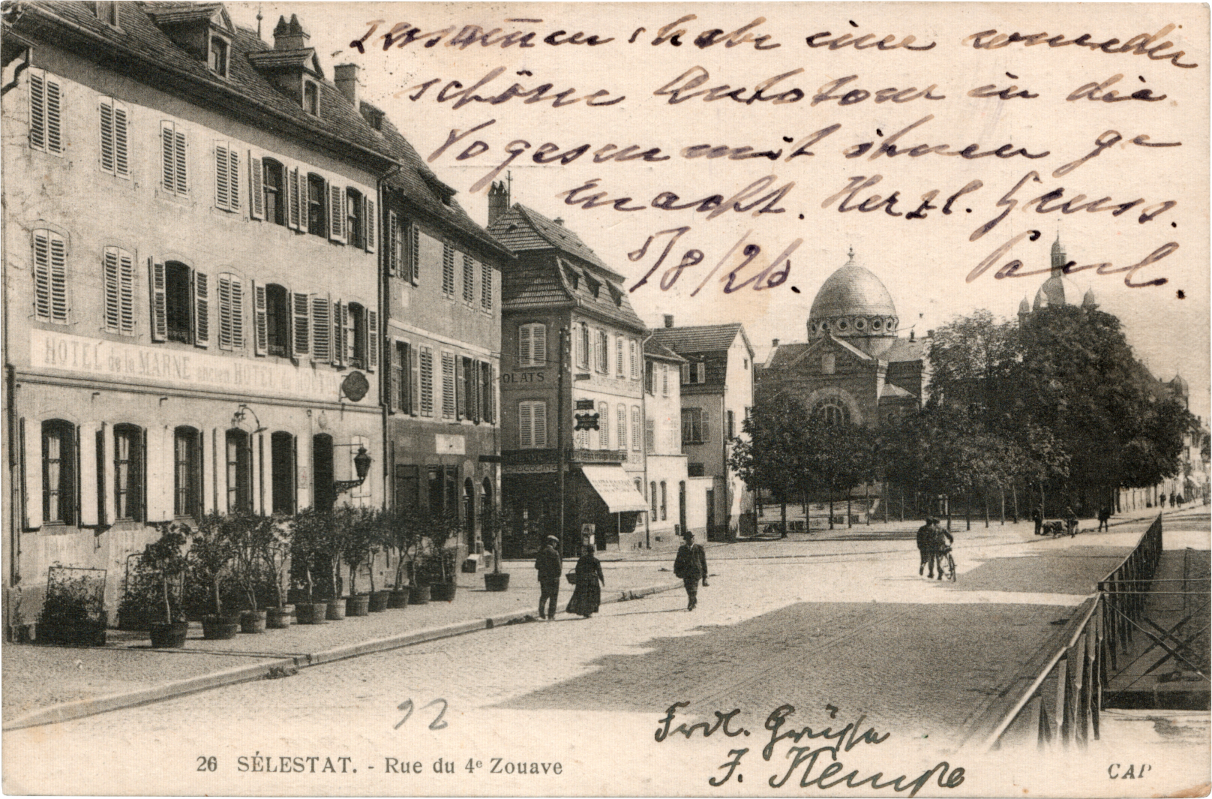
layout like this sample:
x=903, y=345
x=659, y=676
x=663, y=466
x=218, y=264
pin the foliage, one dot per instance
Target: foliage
x=441, y=528
x=367, y=535
x=210, y=555
x=768, y=457
x=251, y=538
x=165, y=559
x=407, y=534
x=310, y=528
x=75, y=599
x=276, y=557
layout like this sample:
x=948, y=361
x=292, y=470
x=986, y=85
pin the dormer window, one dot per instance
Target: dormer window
x=217, y=58
x=311, y=98
x=107, y=11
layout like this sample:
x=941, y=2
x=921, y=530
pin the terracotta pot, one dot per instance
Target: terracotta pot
x=336, y=610
x=358, y=605
x=312, y=612
x=252, y=621
x=418, y=595
x=442, y=592
x=496, y=581
x=166, y=636
x=220, y=628
x=379, y=600
x=398, y=599
x=280, y=618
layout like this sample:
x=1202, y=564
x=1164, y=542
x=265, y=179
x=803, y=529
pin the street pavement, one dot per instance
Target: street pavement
x=838, y=625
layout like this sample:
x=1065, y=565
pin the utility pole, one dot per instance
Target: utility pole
x=560, y=454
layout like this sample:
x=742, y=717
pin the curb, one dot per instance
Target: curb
x=278, y=667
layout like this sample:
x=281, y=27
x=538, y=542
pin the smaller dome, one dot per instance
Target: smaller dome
x=1088, y=301
x=1057, y=291
x=1179, y=385
x=1024, y=307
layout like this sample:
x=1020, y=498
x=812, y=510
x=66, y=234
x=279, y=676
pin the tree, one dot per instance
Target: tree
x=836, y=457
x=768, y=457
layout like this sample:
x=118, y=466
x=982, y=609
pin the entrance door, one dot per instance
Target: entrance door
x=469, y=516
x=322, y=472
x=710, y=510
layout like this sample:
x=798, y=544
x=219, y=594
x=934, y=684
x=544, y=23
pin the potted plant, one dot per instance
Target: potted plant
x=399, y=531
x=165, y=558
x=251, y=537
x=309, y=527
x=441, y=563
x=334, y=543
x=210, y=556
x=412, y=537
x=361, y=547
x=73, y=611
x=495, y=580
x=381, y=531
x=277, y=565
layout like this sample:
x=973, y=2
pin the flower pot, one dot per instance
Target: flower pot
x=220, y=628
x=442, y=592
x=252, y=621
x=312, y=612
x=418, y=595
x=279, y=618
x=336, y=610
x=169, y=635
x=398, y=599
x=358, y=605
x=379, y=600
x=496, y=581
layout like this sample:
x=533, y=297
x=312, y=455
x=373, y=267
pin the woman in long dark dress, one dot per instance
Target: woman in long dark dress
x=588, y=594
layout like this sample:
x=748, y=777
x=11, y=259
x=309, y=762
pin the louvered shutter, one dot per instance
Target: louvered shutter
x=256, y=188
x=260, y=323
x=223, y=185
x=299, y=324
x=338, y=334
x=225, y=334
x=181, y=158
x=349, y=335
x=392, y=243
x=126, y=291
x=414, y=255
x=294, y=199
x=524, y=350
x=168, y=160
x=685, y=373
x=237, y=313
x=109, y=279
x=415, y=388
x=705, y=427
x=462, y=401
x=372, y=224
x=159, y=301
x=37, y=112
x=395, y=376
x=121, y=141
x=539, y=345
x=321, y=325
x=540, y=424
x=702, y=370
x=336, y=215
x=31, y=452
x=525, y=425
x=636, y=430
x=54, y=135
x=107, y=135
x=486, y=288
x=621, y=427
x=41, y=273
x=201, y=290
x=372, y=340
x=58, y=278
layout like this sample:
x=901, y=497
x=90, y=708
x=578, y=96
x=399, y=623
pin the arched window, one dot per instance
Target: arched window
x=239, y=472
x=275, y=199
x=832, y=411
x=128, y=473
x=58, y=472
x=353, y=213
x=277, y=320
x=179, y=310
x=282, y=471
x=187, y=472
x=317, y=195
x=652, y=499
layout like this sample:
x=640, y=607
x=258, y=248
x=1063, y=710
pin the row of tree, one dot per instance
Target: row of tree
x=1056, y=411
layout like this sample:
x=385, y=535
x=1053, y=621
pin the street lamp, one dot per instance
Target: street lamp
x=361, y=467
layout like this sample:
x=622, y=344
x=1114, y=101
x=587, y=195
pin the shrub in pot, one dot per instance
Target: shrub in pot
x=406, y=537
x=362, y=546
x=277, y=567
x=251, y=538
x=495, y=580
x=165, y=557
x=309, y=528
x=73, y=611
x=210, y=556
x=442, y=529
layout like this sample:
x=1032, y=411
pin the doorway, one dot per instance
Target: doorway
x=322, y=472
x=710, y=511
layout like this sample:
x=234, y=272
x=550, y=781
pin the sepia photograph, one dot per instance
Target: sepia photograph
x=605, y=399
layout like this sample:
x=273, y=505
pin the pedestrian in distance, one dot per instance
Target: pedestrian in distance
x=1104, y=514
x=690, y=566
x=587, y=596
x=940, y=544
x=1070, y=521
x=1037, y=516
x=924, y=537
x=550, y=567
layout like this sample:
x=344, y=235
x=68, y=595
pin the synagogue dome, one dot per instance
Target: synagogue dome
x=852, y=302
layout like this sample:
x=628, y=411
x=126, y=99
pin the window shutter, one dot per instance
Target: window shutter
x=524, y=349
x=321, y=325
x=415, y=388
x=636, y=431
x=336, y=215
x=54, y=137
x=392, y=244
x=348, y=335
x=256, y=188
x=182, y=184
x=233, y=179
x=41, y=272
x=395, y=377
x=469, y=279
x=338, y=335
x=372, y=223
x=462, y=401
x=107, y=135
x=159, y=302
x=525, y=425
x=37, y=118
x=685, y=373
x=31, y=450
x=126, y=291
x=58, y=278
x=299, y=326
x=448, y=278
x=201, y=290
x=539, y=345
x=618, y=356
x=621, y=418
x=486, y=286
x=222, y=177
x=225, y=334
x=414, y=255
x=705, y=435
x=260, y=324
x=540, y=424
x=372, y=340
x=110, y=291
x=604, y=425
x=121, y=141
x=294, y=198
x=702, y=372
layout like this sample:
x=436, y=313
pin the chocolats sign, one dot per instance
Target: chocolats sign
x=132, y=363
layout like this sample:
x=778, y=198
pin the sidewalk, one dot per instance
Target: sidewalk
x=44, y=684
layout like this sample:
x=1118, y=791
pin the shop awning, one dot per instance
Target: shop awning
x=615, y=488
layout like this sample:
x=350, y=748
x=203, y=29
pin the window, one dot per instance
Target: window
x=118, y=290
x=650, y=435
x=604, y=425
x=414, y=255
x=621, y=434
x=273, y=181
x=58, y=472
x=470, y=395
x=652, y=497
x=485, y=286
x=311, y=98
x=50, y=276
x=633, y=354
x=179, y=312
x=694, y=373
x=618, y=356
x=128, y=473
x=180, y=304
x=239, y=472
x=487, y=384
x=694, y=426
x=448, y=270
x=282, y=472
x=187, y=472
x=832, y=411
x=448, y=386
x=745, y=361
x=408, y=487
x=231, y=312
x=730, y=422
x=636, y=430
x=107, y=12
x=664, y=501
x=400, y=398
x=426, y=381
x=227, y=177
x=532, y=424
x=650, y=377
x=218, y=56
x=273, y=320
x=469, y=279
x=603, y=353
x=321, y=326
x=362, y=336
x=115, y=138
x=174, y=159
x=664, y=380
x=583, y=353
x=317, y=203
x=45, y=114
x=828, y=364
x=355, y=218
x=532, y=345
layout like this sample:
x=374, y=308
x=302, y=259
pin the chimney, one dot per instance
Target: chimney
x=290, y=35
x=911, y=335
x=498, y=201
x=346, y=78
x=929, y=334
x=558, y=221
x=774, y=342
x=668, y=320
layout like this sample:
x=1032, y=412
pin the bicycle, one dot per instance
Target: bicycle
x=946, y=564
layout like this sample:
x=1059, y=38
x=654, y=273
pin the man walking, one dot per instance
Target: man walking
x=925, y=538
x=1104, y=515
x=1037, y=516
x=940, y=544
x=550, y=567
x=691, y=566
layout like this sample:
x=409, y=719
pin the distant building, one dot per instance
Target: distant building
x=717, y=393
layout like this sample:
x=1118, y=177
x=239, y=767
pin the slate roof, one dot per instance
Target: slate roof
x=703, y=338
x=655, y=349
x=896, y=392
x=532, y=285
x=905, y=350
x=522, y=228
x=147, y=51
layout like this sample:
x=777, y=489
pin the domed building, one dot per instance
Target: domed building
x=1058, y=290
x=854, y=366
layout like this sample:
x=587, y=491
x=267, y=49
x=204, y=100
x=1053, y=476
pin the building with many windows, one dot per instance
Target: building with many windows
x=570, y=344
x=191, y=292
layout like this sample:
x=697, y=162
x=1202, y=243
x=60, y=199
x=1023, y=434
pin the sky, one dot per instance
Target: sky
x=925, y=263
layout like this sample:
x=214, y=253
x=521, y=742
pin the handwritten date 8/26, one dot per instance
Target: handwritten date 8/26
x=775, y=273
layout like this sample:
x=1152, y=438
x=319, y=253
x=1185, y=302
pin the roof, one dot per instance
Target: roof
x=895, y=392
x=521, y=228
x=905, y=350
x=702, y=338
x=655, y=349
x=852, y=290
x=147, y=52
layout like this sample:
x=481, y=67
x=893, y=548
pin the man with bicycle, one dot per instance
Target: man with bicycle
x=941, y=541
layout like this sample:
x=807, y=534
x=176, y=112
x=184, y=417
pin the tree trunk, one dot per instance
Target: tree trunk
x=947, y=500
x=783, y=534
x=831, y=507
x=985, y=497
x=1014, y=495
x=1002, y=494
x=849, y=516
x=968, y=510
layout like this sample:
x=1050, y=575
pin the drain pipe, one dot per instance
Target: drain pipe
x=644, y=436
